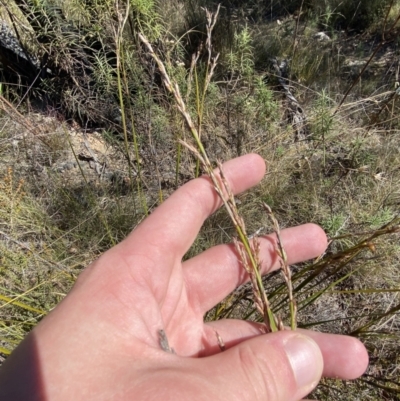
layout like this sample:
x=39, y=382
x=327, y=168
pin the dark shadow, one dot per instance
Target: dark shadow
x=21, y=376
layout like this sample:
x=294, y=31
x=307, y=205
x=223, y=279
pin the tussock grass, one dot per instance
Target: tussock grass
x=345, y=176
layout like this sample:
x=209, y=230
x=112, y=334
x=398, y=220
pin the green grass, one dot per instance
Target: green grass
x=345, y=177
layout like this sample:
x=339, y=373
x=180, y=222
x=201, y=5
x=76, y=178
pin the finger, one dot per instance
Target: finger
x=280, y=366
x=344, y=357
x=173, y=226
x=215, y=273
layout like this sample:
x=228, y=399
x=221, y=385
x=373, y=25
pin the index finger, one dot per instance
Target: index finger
x=173, y=226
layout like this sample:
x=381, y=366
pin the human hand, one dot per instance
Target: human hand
x=102, y=342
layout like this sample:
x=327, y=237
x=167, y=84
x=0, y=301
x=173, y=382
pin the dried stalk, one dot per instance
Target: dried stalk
x=248, y=251
x=212, y=62
x=286, y=272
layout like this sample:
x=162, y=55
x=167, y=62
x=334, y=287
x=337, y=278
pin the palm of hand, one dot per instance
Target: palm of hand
x=103, y=341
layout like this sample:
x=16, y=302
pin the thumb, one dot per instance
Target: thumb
x=281, y=366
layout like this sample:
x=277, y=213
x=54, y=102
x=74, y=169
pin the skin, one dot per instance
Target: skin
x=102, y=342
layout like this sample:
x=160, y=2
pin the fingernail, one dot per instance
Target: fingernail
x=306, y=361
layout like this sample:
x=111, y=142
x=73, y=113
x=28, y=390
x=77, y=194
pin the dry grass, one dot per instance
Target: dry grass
x=345, y=177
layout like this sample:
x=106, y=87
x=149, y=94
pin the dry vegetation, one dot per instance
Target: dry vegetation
x=94, y=144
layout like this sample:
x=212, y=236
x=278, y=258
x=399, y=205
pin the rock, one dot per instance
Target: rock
x=9, y=41
x=321, y=37
x=13, y=56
